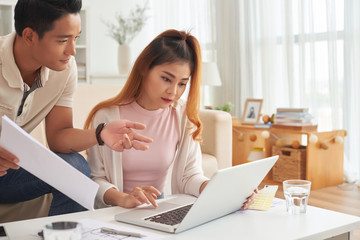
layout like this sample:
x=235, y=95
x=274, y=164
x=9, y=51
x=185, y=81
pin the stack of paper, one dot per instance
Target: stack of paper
x=46, y=165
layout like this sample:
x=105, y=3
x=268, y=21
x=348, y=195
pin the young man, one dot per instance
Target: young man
x=38, y=78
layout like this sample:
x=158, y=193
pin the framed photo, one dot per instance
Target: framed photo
x=252, y=111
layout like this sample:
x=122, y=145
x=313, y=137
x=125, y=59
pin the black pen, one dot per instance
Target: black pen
x=125, y=233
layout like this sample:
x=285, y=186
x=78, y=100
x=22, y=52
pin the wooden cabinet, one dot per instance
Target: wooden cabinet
x=324, y=157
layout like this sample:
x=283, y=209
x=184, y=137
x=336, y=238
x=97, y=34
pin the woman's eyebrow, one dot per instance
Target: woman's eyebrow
x=172, y=75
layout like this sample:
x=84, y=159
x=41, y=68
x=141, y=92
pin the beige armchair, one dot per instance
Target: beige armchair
x=216, y=146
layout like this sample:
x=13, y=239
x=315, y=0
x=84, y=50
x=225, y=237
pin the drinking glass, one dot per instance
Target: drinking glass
x=296, y=194
x=62, y=231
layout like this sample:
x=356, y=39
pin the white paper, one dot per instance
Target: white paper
x=91, y=230
x=46, y=165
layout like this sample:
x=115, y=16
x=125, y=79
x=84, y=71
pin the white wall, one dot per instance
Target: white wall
x=103, y=49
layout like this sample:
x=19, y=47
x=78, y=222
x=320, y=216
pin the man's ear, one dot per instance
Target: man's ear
x=29, y=36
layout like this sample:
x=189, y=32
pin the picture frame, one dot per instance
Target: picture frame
x=252, y=111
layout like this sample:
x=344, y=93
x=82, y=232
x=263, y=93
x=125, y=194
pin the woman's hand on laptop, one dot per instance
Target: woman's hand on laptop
x=250, y=200
x=138, y=196
x=141, y=195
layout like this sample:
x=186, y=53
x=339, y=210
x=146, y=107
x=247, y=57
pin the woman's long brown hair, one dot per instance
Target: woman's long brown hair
x=168, y=47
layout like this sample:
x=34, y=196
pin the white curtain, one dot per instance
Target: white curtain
x=299, y=53
x=194, y=16
x=198, y=17
x=352, y=87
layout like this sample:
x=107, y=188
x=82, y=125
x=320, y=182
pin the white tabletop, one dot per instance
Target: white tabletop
x=275, y=223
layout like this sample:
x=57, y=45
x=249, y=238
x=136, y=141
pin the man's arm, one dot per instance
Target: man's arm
x=62, y=137
x=60, y=134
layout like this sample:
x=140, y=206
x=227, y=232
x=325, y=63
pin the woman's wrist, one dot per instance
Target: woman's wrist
x=114, y=198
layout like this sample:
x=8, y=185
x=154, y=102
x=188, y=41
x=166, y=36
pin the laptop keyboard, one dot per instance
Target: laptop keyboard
x=171, y=217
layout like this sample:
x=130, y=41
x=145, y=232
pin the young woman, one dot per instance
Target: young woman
x=151, y=96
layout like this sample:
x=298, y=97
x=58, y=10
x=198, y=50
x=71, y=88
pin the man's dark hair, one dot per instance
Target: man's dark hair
x=40, y=15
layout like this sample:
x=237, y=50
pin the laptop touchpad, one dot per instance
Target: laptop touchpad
x=162, y=206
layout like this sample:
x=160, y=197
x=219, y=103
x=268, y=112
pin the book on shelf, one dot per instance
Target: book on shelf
x=293, y=115
x=305, y=109
x=263, y=125
x=296, y=117
x=289, y=123
x=295, y=122
x=295, y=127
x=307, y=121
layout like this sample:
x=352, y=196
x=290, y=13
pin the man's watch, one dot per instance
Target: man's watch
x=99, y=128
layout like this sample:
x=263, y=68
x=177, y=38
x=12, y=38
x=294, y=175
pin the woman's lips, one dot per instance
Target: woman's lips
x=166, y=100
x=65, y=61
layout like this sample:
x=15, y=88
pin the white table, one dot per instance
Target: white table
x=275, y=223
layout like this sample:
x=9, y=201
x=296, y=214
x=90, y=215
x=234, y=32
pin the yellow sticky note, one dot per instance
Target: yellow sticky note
x=264, y=198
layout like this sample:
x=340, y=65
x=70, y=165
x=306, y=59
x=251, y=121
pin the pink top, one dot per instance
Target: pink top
x=150, y=167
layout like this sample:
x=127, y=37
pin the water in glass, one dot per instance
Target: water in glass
x=296, y=194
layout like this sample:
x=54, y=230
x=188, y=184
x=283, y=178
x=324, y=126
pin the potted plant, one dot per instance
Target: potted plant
x=124, y=30
x=226, y=107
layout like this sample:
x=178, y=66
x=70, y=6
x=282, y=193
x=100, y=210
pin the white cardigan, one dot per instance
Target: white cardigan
x=186, y=175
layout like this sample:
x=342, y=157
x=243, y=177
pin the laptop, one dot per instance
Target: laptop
x=225, y=193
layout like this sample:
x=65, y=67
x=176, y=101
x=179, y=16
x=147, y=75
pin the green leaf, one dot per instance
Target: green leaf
x=125, y=29
x=226, y=108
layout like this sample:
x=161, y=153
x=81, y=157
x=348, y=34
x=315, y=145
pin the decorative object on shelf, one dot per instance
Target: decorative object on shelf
x=267, y=121
x=291, y=142
x=339, y=140
x=124, y=59
x=252, y=110
x=295, y=144
x=313, y=138
x=266, y=118
x=124, y=31
x=253, y=137
x=241, y=137
x=226, y=108
x=324, y=145
x=265, y=134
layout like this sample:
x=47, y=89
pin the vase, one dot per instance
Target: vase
x=124, y=55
